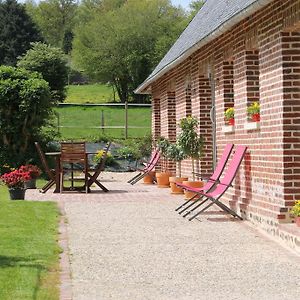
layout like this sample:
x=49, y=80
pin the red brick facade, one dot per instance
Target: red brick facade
x=256, y=60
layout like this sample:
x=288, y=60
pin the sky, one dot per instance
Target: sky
x=183, y=3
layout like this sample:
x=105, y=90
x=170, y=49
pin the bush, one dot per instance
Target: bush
x=25, y=107
x=52, y=64
x=110, y=160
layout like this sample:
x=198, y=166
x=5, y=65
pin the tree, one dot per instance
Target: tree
x=122, y=45
x=17, y=30
x=52, y=64
x=195, y=6
x=25, y=107
x=55, y=19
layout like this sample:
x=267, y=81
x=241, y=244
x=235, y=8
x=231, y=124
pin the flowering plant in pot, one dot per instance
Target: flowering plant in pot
x=295, y=211
x=163, y=177
x=229, y=115
x=176, y=153
x=254, y=111
x=34, y=173
x=14, y=180
x=192, y=145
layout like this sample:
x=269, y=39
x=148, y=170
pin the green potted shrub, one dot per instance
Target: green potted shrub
x=295, y=211
x=229, y=116
x=254, y=111
x=176, y=153
x=163, y=176
x=192, y=146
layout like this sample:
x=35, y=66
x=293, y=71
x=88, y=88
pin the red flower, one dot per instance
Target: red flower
x=33, y=171
x=15, y=178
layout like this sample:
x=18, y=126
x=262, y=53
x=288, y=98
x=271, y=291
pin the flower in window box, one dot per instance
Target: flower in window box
x=229, y=115
x=254, y=111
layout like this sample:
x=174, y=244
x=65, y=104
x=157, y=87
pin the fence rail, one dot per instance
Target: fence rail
x=102, y=119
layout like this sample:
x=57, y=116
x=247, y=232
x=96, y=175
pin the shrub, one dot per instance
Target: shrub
x=109, y=158
x=52, y=64
x=25, y=108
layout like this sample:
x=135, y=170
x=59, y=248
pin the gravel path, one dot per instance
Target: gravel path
x=130, y=244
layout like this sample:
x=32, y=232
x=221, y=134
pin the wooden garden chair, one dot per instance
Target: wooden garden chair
x=94, y=173
x=73, y=153
x=50, y=172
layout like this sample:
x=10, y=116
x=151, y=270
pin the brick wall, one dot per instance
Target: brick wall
x=258, y=59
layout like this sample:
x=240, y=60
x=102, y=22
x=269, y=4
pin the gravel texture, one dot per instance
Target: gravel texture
x=131, y=244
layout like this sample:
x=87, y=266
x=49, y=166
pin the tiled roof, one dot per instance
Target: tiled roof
x=209, y=19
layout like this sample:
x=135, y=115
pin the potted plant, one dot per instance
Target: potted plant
x=229, y=116
x=176, y=153
x=295, y=211
x=34, y=173
x=254, y=111
x=192, y=146
x=14, y=180
x=163, y=176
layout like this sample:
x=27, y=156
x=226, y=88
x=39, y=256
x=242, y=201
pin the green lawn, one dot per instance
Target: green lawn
x=84, y=117
x=29, y=253
x=90, y=93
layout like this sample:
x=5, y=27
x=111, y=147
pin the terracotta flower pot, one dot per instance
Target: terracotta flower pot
x=297, y=221
x=231, y=121
x=148, y=179
x=255, y=117
x=163, y=179
x=193, y=184
x=174, y=188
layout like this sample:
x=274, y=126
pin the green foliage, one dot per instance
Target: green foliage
x=229, y=113
x=295, y=211
x=195, y=6
x=29, y=260
x=110, y=160
x=253, y=109
x=136, y=149
x=163, y=145
x=188, y=139
x=116, y=45
x=17, y=30
x=25, y=107
x=51, y=63
x=175, y=152
x=55, y=19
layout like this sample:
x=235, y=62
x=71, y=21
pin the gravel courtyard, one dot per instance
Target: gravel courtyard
x=130, y=244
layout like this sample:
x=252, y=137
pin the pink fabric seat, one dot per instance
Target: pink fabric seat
x=148, y=168
x=220, y=187
x=213, y=178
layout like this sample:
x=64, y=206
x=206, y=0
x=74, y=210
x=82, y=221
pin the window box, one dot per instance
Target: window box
x=228, y=128
x=252, y=126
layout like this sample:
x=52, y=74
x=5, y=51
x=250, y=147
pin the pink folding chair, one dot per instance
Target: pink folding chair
x=220, y=187
x=212, y=180
x=149, y=167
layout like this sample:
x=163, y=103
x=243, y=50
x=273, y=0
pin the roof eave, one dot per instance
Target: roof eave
x=251, y=9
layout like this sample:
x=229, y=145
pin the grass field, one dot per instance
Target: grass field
x=84, y=117
x=90, y=93
x=29, y=265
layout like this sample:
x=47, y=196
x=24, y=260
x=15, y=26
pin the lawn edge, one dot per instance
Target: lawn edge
x=65, y=289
